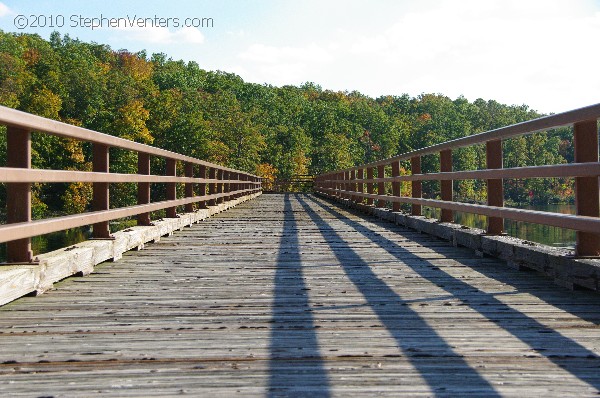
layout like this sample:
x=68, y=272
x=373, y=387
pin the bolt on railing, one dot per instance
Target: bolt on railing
x=223, y=183
x=585, y=170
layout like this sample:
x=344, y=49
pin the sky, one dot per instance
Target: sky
x=542, y=53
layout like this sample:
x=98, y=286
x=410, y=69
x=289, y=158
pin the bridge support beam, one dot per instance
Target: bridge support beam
x=360, y=186
x=396, y=184
x=171, y=187
x=143, y=194
x=212, y=187
x=100, y=199
x=495, y=189
x=227, y=185
x=189, y=187
x=381, y=185
x=18, y=195
x=446, y=185
x=587, y=198
x=417, y=187
x=370, y=185
x=202, y=187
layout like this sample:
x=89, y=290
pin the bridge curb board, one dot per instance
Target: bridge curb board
x=80, y=259
x=556, y=263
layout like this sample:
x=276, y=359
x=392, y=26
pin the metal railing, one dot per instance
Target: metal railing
x=349, y=183
x=216, y=183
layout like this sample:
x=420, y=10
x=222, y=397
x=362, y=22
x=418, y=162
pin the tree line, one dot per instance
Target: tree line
x=263, y=129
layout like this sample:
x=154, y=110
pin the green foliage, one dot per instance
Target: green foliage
x=280, y=131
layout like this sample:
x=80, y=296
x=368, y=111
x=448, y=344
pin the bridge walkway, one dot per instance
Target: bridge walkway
x=290, y=295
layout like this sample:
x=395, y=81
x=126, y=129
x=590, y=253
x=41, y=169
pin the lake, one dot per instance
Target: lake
x=551, y=236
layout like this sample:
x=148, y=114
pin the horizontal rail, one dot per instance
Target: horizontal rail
x=570, y=221
x=13, y=117
x=10, y=174
x=9, y=232
x=551, y=171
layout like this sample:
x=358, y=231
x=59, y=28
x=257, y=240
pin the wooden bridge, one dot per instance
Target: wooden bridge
x=323, y=294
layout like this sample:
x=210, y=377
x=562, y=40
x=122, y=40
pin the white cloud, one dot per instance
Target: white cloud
x=538, y=52
x=285, y=65
x=161, y=35
x=4, y=10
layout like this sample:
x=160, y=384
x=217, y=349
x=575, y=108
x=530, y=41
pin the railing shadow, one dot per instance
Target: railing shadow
x=542, y=339
x=296, y=367
x=402, y=322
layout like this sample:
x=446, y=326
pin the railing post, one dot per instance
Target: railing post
x=495, y=189
x=587, y=199
x=18, y=195
x=202, y=186
x=353, y=185
x=416, y=186
x=189, y=187
x=396, y=185
x=234, y=186
x=381, y=185
x=334, y=185
x=143, y=193
x=345, y=176
x=241, y=186
x=220, y=185
x=231, y=186
x=446, y=185
x=171, y=187
x=226, y=185
x=100, y=200
x=212, y=186
x=360, y=186
x=370, y=185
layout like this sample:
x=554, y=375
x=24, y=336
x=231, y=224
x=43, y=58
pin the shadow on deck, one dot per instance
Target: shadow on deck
x=290, y=295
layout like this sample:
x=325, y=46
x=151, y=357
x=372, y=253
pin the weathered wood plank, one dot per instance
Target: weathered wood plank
x=290, y=295
x=19, y=280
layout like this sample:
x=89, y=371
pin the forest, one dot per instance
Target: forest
x=267, y=130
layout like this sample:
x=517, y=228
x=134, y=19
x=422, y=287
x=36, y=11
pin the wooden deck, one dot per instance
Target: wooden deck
x=288, y=295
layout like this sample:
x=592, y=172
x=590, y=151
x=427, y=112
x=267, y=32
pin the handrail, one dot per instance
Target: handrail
x=216, y=184
x=15, y=118
x=348, y=184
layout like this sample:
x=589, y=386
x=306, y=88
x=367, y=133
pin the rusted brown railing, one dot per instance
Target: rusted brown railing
x=349, y=183
x=223, y=183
